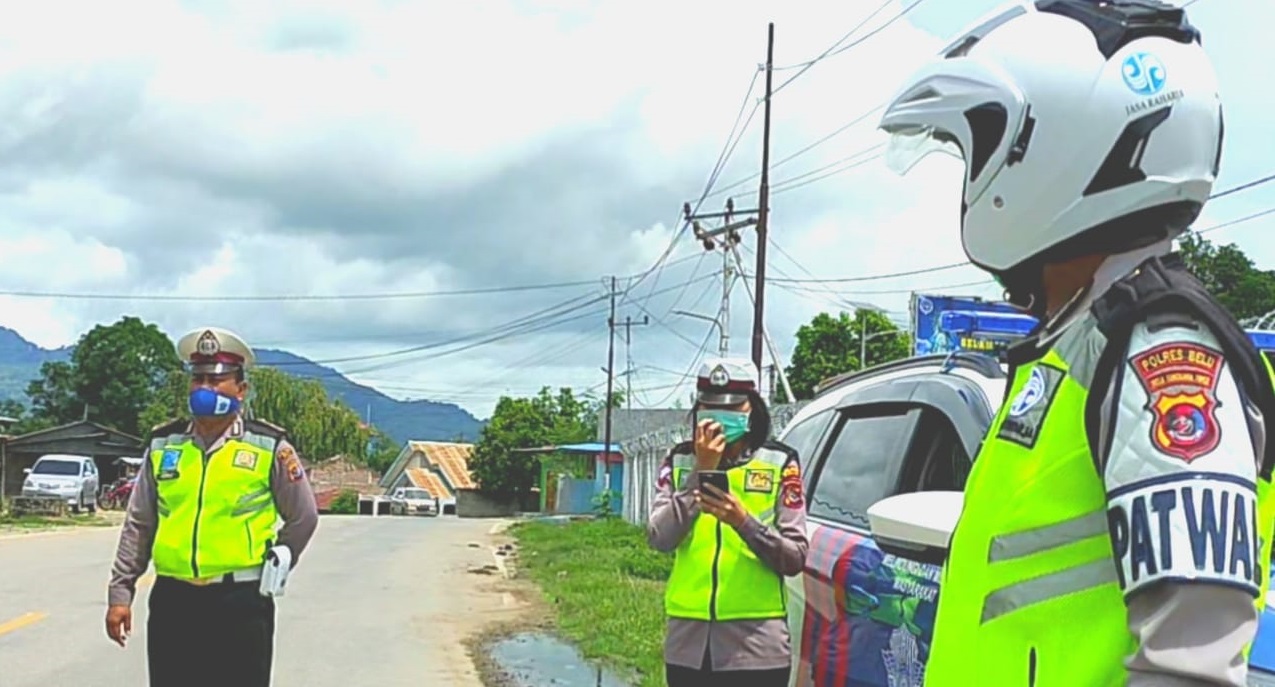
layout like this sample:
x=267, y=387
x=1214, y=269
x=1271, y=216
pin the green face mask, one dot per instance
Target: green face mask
x=734, y=423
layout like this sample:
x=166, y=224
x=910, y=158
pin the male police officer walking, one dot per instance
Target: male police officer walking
x=726, y=599
x=205, y=507
x=1117, y=521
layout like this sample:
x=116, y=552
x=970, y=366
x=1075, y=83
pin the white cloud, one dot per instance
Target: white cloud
x=345, y=147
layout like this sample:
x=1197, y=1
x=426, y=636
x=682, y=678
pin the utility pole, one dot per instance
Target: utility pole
x=606, y=442
x=774, y=352
x=629, y=324
x=763, y=207
x=725, y=237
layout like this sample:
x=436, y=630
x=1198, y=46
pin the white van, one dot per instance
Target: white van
x=72, y=478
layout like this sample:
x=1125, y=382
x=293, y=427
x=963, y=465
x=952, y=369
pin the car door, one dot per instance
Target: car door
x=861, y=617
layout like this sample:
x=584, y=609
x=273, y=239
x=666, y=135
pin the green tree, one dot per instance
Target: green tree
x=26, y=421
x=383, y=451
x=829, y=346
x=114, y=374
x=541, y=420
x=169, y=402
x=319, y=426
x=1230, y=275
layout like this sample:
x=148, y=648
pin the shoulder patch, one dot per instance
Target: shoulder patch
x=1181, y=384
x=790, y=490
x=291, y=463
x=665, y=477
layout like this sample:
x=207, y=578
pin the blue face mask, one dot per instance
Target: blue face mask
x=734, y=423
x=205, y=402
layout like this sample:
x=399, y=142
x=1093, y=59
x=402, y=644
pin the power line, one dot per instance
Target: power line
x=834, y=50
x=536, y=321
x=728, y=148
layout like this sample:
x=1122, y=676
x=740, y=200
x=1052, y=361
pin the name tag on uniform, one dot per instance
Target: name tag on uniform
x=246, y=460
x=759, y=480
x=168, y=464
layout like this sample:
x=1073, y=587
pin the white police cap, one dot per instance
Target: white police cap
x=726, y=381
x=213, y=350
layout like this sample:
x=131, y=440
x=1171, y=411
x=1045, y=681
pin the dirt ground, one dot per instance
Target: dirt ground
x=522, y=607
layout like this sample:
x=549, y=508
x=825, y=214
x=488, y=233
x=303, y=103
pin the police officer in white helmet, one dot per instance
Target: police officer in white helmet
x=1117, y=524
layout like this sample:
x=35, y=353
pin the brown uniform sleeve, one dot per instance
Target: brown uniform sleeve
x=782, y=547
x=1190, y=631
x=673, y=511
x=133, y=553
x=294, y=498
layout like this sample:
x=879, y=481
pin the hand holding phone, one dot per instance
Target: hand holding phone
x=710, y=443
x=717, y=478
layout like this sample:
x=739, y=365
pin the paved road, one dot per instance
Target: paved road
x=364, y=600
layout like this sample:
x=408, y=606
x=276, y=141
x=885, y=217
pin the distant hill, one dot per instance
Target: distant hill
x=20, y=362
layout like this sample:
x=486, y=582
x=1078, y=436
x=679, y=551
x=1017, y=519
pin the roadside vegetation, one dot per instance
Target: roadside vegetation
x=607, y=587
x=9, y=521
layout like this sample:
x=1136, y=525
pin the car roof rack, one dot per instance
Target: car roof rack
x=980, y=363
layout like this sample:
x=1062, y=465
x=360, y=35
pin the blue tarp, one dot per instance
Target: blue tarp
x=574, y=496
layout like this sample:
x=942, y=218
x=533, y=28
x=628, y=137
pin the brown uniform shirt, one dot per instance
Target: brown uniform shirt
x=294, y=500
x=737, y=644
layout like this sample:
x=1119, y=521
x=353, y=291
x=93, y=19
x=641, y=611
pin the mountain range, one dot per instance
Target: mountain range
x=20, y=362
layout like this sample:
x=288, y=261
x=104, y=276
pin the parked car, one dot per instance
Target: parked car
x=72, y=478
x=886, y=453
x=413, y=501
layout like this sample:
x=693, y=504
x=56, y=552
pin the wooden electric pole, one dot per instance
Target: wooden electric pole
x=763, y=208
x=629, y=323
x=606, y=442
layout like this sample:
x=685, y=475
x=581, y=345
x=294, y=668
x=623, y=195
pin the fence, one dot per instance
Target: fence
x=643, y=454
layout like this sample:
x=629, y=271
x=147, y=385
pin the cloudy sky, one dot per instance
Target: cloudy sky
x=313, y=174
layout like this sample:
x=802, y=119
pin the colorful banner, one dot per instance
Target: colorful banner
x=942, y=324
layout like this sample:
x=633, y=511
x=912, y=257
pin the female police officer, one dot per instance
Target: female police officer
x=726, y=599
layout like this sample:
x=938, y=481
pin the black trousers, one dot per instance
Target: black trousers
x=679, y=676
x=217, y=635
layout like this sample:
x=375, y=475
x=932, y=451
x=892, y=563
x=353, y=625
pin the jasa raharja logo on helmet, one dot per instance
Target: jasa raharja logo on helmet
x=1145, y=75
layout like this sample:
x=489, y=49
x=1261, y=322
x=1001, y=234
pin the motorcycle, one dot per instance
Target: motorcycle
x=116, y=495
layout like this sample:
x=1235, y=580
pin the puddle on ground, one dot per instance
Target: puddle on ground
x=539, y=660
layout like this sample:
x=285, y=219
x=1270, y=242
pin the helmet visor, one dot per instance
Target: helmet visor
x=908, y=146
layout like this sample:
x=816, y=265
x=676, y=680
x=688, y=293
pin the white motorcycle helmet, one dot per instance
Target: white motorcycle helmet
x=1085, y=127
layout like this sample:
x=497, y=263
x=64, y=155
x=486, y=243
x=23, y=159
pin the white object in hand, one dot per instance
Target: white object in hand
x=274, y=576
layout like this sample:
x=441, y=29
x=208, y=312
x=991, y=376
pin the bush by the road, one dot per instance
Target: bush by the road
x=345, y=503
x=607, y=586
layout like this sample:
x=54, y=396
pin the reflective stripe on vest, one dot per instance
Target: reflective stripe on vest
x=716, y=576
x=216, y=515
x=1030, y=592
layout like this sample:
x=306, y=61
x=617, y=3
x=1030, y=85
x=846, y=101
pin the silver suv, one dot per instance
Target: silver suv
x=72, y=478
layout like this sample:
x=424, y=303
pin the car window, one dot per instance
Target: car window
x=804, y=438
x=56, y=467
x=938, y=460
x=864, y=463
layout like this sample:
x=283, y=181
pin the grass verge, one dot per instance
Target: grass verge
x=607, y=586
x=40, y=522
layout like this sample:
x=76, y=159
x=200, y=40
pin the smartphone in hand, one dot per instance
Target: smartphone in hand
x=717, y=478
